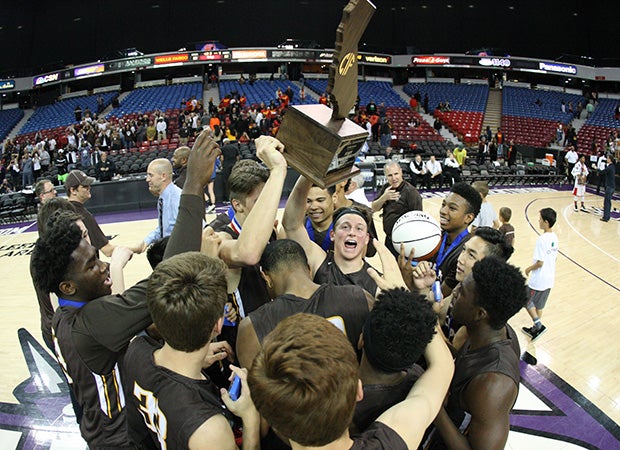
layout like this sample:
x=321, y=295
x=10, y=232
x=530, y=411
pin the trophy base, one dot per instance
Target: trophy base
x=319, y=147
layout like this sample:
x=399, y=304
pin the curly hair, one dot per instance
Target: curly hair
x=186, y=295
x=497, y=245
x=51, y=257
x=304, y=380
x=500, y=289
x=470, y=195
x=398, y=329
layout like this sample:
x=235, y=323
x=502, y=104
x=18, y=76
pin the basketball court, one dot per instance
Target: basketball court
x=570, y=392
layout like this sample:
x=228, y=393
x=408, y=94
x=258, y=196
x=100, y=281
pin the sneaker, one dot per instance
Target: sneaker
x=210, y=208
x=528, y=331
x=536, y=333
x=576, y=209
x=584, y=209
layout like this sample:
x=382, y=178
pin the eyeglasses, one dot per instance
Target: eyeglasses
x=50, y=191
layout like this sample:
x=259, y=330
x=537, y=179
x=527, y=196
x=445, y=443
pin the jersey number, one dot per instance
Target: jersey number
x=154, y=418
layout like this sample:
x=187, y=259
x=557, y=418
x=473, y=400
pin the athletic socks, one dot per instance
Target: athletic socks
x=537, y=324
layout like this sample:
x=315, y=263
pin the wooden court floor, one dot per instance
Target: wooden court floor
x=581, y=346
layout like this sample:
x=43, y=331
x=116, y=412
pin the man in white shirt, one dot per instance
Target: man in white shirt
x=571, y=158
x=418, y=169
x=434, y=169
x=451, y=166
x=161, y=129
x=542, y=272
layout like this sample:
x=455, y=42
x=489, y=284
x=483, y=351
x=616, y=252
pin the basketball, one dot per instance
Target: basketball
x=416, y=229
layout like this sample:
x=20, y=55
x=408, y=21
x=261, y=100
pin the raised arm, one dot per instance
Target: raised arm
x=412, y=416
x=187, y=233
x=293, y=223
x=257, y=228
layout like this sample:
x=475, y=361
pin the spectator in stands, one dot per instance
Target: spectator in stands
x=105, y=168
x=371, y=108
x=460, y=153
x=493, y=150
x=78, y=113
x=36, y=165
x=589, y=108
x=483, y=150
x=426, y=100
x=451, y=168
x=559, y=133
x=151, y=131
x=61, y=162
x=499, y=138
x=45, y=160
x=161, y=129
x=27, y=171
x=386, y=131
x=435, y=171
x=488, y=133
x=421, y=176
x=563, y=106
x=5, y=187
x=437, y=125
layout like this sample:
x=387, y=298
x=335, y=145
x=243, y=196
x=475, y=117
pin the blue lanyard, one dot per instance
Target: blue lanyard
x=326, y=240
x=63, y=302
x=442, y=250
x=234, y=223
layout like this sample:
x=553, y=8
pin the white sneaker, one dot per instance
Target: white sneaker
x=210, y=208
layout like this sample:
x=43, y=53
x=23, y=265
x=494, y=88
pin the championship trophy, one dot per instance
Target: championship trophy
x=320, y=142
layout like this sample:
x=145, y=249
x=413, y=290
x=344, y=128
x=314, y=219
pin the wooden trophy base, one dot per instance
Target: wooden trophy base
x=320, y=148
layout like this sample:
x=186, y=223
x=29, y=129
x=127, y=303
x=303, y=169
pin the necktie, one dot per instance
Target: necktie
x=160, y=213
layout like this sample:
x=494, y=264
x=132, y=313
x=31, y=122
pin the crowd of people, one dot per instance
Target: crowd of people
x=328, y=350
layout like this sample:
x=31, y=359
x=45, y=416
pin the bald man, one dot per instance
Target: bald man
x=159, y=179
x=179, y=163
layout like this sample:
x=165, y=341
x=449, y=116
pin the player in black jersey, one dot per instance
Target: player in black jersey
x=458, y=210
x=284, y=267
x=486, y=376
x=305, y=383
x=396, y=332
x=172, y=402
x=346, y=265
x=92, y=328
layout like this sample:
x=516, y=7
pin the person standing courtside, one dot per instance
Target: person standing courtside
x=179, y=164
x=159, y=179
x=610, y=186
x=77, y=185
x=395, y=198
x=542, y=272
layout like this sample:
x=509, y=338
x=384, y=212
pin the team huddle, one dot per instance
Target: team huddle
x=329, y=352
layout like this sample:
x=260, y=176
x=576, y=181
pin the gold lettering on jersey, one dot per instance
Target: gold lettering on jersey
x=346, y=63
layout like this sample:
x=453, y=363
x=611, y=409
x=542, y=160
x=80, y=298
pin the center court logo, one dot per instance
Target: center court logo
x=346, y=63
